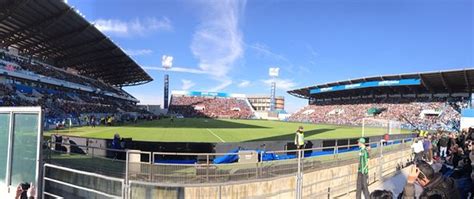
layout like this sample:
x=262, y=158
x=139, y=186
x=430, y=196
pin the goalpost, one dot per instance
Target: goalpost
x=374, y=126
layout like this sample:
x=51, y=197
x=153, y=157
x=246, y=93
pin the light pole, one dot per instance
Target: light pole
x=166, y=62
x=273, y=73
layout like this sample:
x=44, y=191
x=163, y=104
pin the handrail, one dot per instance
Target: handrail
x=52, y=195
x=82, y=188
x=219, y=154
x=83, y=172
x=89, y=147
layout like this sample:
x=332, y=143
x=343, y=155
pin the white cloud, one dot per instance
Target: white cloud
x=133, y=27
x=224, y=83
x=281, y=84
x=217, y=41
x=244, y=84
x=265, y=51
x=138, y=52
x=111, y=25
x=177, y=69
x=187, y=84
x=280, y=60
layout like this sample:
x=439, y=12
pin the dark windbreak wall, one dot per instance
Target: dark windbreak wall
x=185, y=147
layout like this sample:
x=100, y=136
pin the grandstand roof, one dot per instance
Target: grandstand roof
x=450, y=81
x=51, y=30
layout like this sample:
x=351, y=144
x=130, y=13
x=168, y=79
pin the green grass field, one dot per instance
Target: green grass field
x=219, y=130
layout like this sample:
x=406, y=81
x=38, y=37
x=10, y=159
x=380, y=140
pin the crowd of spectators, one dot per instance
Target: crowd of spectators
x=46, y=70
x=443, y=166
x=59, y=102
x=65, y=103
x=415, y=113
x=8, y=97
x=211, y=107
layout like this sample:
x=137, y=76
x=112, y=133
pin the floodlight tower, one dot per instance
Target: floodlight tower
x=166, y=62
x=273, y=73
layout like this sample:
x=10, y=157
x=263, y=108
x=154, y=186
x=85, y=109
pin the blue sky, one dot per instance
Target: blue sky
x=228, y=46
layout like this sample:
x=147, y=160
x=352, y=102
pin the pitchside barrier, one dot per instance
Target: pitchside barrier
x=97, y=144
x=319, y=172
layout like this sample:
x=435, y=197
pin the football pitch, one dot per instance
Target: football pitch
x=218, y=130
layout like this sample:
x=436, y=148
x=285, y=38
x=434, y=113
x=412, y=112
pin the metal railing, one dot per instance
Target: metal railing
x=105, y=161
x=70, y=181
x=143, y=173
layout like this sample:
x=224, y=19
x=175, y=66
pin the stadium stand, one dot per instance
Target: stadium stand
x=426, y=114
x=63, y=103
x=50, y=56
x=210, y=106
x=427, y=101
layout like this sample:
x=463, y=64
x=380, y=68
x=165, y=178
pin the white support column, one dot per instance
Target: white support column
x=363, y=127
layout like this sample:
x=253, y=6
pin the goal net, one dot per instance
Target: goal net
x=371, y=126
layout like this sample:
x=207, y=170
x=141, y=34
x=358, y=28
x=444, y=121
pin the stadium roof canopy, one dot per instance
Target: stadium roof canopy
x=446, y=82
x=52, y=31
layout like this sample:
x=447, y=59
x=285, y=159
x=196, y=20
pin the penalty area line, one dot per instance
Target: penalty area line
x=215, y=135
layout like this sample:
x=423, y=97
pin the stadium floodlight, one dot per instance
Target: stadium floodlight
x=167, y=61
x=274, y=72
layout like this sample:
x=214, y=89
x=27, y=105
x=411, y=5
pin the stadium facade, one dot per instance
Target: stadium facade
x=262, y=102
x=428, y=100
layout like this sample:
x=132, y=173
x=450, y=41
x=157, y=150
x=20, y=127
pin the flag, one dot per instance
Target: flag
x=10, y=67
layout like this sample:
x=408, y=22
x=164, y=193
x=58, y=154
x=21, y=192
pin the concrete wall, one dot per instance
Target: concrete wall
x=337, y=181
x=341, y=180
x=276, y=188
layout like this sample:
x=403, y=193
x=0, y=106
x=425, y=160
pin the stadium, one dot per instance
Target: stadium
x=428, y=101
x=68, y=126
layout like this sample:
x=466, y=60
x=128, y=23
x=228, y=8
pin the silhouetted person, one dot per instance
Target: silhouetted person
x=381, y=194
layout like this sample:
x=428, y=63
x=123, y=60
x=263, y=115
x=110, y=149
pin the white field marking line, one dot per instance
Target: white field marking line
x=215, y=135
x=99, y=131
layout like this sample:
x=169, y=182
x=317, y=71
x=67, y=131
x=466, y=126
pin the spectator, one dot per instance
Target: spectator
x=455, y=156
x=57, y=140
x=25, y=191
x=417, y=148
x=427, y=151
x=93, y=121
x=386, y=138
x=116, y=141
x=116, y=145
x=433, y=184
x=363, y=170
x=470, y=134
x=299, y=138
x=210, y=107
x=381, y=194
x=405, y=110
x=434, y=145
x=443, y=146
